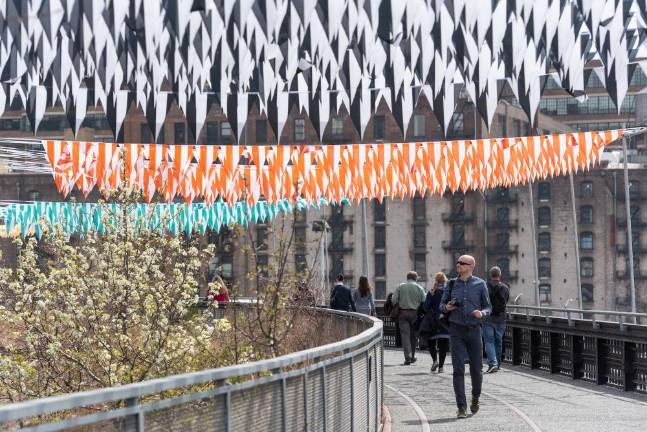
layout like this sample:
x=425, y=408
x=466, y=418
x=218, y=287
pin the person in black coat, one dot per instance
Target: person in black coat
x=341, y=297
x=430, y=328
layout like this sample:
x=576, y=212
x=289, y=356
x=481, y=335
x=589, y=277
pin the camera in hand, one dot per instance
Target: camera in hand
x=455, y=302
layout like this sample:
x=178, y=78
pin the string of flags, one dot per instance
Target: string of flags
x=175, y=218
x=273, y=173
x=320, y=58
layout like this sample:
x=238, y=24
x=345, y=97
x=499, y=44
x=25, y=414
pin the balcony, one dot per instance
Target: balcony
x=458, y=217
x=510, y=198
x=506, y=250
x=622, y=223
x=624, y=249
x=503, y=224
x=457, y=246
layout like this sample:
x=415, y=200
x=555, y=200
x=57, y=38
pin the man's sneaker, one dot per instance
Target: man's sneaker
x=440, y=369
x=498, y=368
x=475, y=405
x=461, y=413
x=407, y=362
x=434, y=366
x=413, y=360
x=492, y=369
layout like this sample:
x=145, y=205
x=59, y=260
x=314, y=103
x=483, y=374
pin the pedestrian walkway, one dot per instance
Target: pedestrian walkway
x=515, y=399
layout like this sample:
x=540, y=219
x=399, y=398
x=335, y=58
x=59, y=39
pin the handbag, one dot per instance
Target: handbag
x=395, y=312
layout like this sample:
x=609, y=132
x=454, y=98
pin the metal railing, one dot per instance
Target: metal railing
x=334, y=387
x=592, y=315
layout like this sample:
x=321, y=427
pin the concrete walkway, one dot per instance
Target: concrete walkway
x=514, y=399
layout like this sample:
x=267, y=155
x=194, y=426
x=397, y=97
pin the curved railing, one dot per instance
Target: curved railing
x=334, y=387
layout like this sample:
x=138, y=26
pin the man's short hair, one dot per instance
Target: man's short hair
x=412, y=276
x=340, y=278
x=495, y=272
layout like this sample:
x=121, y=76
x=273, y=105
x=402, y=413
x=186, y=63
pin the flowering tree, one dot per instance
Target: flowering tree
x=103, y=310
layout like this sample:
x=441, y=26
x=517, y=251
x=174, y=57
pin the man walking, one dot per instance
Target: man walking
x=494, y=325
x=409, y=296
x=341, y=297
x=466, y=301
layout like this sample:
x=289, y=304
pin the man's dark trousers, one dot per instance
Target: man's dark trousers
x=466, y=345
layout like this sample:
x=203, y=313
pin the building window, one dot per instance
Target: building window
x=420, y=265
x=379, y=128
x=504, y=265
x=586, y=267
x=225, y=132
x=380, y=237
x=502, y=193
x=503, y=215
x=634, y=212
x=337, y=265
x=300, y=236
x=145, y=133
x=379, y=211
x=180, y=133
x=300, y=263
x=543, y=216
x=380, y=265
x=458, y=204
x=300, y=216
x=543, y=242
x=299, y=130
x=261, y=238
x=458, y=124
x=380, y=290
x=634, y=188
x=543, y=191
x=261, y=131
x=458, y=234
x=586, y=240
x=419, y=212
x=586, y=189
x=212, y=133
x=419, y=126
x=544, y=267
x=503, y=241
x=34, y=195
x=419, y=236
x=337, y=127
x=262, y=265
x=586, y=215
x=587, y=293
x=544, y=293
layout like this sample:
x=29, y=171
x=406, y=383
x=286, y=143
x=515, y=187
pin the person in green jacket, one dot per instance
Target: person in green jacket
x=409, y=296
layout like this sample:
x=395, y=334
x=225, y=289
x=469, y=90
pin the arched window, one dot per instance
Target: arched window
x=503, y=214
x=504, y=265
x=544, y=293
x=586, y=240
x=503, y=241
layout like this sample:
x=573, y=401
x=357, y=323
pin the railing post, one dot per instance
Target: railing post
x=305, y=400
x=629, y=357
x=352, y=393
x=228, y=411
x=323, y=396
x=368, y=389
x=139, y=416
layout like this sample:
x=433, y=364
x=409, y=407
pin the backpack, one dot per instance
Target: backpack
x=498, y=299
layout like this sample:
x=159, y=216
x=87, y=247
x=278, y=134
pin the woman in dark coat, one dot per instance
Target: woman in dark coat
x=435, y=333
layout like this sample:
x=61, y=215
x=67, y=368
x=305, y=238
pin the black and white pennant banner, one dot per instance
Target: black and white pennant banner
x=317, y=57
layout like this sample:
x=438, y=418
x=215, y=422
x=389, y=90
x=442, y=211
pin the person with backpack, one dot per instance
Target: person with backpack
x=431, y=329
x=494, y=325
x=363, y=297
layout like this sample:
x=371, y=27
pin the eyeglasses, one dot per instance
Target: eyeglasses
x=463, y=263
